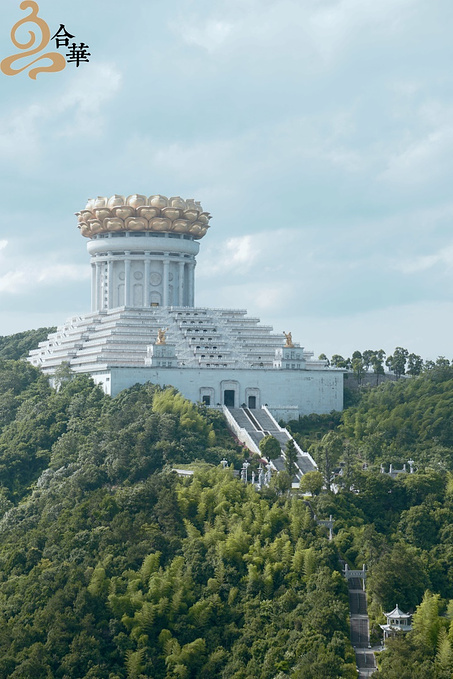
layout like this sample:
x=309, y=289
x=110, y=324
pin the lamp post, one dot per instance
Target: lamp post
x=260, y=476
x=245, y=466
x=267, y=476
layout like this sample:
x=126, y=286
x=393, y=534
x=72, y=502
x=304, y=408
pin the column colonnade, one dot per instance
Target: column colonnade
x=175, y=287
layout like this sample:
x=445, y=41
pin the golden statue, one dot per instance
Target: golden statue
x=161, y=336
x=289, y=339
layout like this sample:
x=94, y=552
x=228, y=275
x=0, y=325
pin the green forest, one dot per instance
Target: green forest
x=112, y=566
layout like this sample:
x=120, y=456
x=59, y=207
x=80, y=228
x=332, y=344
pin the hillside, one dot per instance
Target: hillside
x=393, y=421
x=18, y=345
x=400, y=527
x=113, y=567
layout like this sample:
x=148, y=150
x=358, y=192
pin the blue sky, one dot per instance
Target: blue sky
x=318, y=133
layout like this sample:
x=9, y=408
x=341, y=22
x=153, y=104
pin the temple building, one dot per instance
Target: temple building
x=397, y=621
x=144, y=325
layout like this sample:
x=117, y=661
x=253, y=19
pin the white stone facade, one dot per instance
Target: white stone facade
x=219, y=356
x=143, y=261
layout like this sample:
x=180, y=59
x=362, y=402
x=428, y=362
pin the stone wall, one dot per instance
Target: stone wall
x=283, y=391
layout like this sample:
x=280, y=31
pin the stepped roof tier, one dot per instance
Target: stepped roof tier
x=203, y=338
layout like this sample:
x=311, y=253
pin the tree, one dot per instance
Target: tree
x=327, y=453
x=403, y=658
x=377, y=362
x=397, y=361
x=442, y=368
x=323, y=357
x=63, y=374
x=419, y=486
x=290, y=458
x=19, y=345
x=414, y=364
x=419, y=526
x=426, y=622
x=399, y=578
x=358, y=369
x=349, y=459
x=281, y=482
x=339, y=362
x=312, y=482
x=270, y=447
x=367, y=357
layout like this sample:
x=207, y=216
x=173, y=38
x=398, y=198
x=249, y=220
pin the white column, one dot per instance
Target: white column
x=93, y=286
x=98, y=287
x=181, y=284
x=146, y=282
x=110, y=282
x=165, y=283
x=127, y=280
x=191, y=296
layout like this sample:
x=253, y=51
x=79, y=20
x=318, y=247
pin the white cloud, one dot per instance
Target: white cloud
x=28, y=275
x=251, y=28
x=257, y=152
x=19, y=138
x=425, y=262
x=78, y=111
x=62, y=272
x=423, y=159
x=13, y=281
x=210, y=36
x=3, y=244
x=315, y=29
x=208, y=160
x=332, y=26
x=231, y=256
x=422, y=327
x=263, y=272
x=272, y=295
x=256, y=294
x=85, y=99
x=421, y=155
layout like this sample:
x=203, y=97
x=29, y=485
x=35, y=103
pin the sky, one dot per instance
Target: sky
x=318, y=134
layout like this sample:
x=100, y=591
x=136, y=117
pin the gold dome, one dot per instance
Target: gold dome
x=141, y=213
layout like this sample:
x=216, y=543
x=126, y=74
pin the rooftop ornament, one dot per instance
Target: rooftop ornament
x=162, y=336
x=289, y=339
x=141, y=213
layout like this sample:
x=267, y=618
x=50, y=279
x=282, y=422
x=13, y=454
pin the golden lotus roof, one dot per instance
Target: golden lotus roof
x=142, y=213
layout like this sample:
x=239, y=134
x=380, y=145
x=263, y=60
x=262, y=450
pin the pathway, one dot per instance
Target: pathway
x=359, y=622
